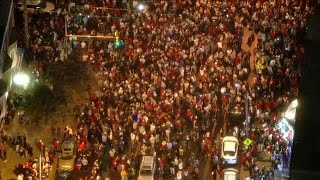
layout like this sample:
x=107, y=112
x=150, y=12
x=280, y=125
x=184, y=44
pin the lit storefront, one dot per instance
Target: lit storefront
x=286, y=122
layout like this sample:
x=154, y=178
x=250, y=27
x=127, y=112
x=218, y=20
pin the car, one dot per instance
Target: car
x=63, y=176
x=229, y=149
x=68, y=156
x=237, y=109
x=230, y=174
x=147, y=168
x=33, y=4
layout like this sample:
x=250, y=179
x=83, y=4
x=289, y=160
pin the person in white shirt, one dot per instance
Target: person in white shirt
x=179, y=175
x=85, y=164
x=104, y=138
x=280, y=166
x=152, y=127
x=168, y=134
x=180, y=166
x=83, y=45
x=152, y=141
x=20, y=177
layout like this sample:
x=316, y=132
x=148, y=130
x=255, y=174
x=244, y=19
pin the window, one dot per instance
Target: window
x=145, y=172
x=229, y=153
x=229, y=148
x=67, y=153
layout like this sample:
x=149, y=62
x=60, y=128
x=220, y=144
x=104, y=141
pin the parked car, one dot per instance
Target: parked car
x=63, y=176
x=68, y=156
x=33, y=4
x=229, y=149
x=230, y=174
x=147, y=168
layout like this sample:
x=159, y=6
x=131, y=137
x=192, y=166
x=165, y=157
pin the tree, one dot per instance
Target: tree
x=53, y=98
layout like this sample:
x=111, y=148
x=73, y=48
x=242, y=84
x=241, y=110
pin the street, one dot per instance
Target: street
x=166, y=82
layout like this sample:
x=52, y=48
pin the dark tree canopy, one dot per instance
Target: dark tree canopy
x=44, y=98
x=68, y=73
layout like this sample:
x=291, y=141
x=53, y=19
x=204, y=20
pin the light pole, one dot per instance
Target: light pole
x=40, y=146
x=26, y=26
x=138, y=8
x=247, y=114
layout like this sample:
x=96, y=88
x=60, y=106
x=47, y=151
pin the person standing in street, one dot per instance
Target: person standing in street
x=85, y=164
x=30, y=151
x=4, y=155
x=123, y=174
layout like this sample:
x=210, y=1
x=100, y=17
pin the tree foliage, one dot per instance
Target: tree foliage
x=68, y=73
x=43, y=99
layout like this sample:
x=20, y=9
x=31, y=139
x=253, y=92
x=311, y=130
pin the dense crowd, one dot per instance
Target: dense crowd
x=179, y=65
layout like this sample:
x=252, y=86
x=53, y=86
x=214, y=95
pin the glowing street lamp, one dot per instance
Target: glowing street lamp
x=141, y=7
x=21, y=79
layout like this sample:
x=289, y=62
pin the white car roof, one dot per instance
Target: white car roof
x=230, y=138
x=68, y=144
x=230, y=174
x=230, y=170
x=147, y=161
x=230, y=146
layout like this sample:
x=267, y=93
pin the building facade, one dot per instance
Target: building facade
x=8, y=52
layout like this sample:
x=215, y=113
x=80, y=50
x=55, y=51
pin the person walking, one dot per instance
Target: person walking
x=123, y=174
x=30, y=151
x=1, y=153
x=4, y=157
x=85, y=164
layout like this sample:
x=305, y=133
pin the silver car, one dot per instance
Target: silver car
x=68, y=156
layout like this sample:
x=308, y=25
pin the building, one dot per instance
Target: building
x=305, y=153
x=8, y=52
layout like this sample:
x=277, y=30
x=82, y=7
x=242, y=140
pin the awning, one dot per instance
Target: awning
x=7, y=63
x=13, y=36
x=3, y=107
x=3, y=87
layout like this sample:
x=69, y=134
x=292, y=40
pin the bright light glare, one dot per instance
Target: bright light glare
x=290, y=113
x=140, y=7
x=117, y=44
x=295, y=103
x=21, y=79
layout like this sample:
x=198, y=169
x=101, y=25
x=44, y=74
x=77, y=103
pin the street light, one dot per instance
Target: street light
x=40, y=147
x=247, y=120
x=21, y=79
x=117, y=42
x=141, y=7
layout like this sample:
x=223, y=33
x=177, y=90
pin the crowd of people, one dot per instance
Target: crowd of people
x=29, y=169
x=179, y=64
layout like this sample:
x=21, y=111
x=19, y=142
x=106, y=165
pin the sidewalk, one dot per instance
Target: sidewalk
x=265, y=160
x=206, y=174
x=253, y=47
x=13, y=159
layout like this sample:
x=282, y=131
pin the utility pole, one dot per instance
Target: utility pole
x=247, y=114
x=40, y=164
x=26, y=27
x=40, y=146
x=1, y=171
